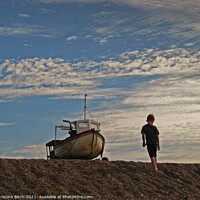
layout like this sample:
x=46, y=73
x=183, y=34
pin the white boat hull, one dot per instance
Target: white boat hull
x=87, y=145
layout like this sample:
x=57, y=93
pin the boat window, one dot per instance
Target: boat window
x=73, y=126
x=94, y=126
x=83, y=125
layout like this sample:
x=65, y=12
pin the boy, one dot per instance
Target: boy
x=152, y=139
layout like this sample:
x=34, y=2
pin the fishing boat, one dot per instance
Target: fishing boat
x=84, y=140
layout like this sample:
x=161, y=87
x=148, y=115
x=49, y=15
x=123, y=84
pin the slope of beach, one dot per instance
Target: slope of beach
x=78, y=179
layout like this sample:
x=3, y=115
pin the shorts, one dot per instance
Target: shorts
x=152, y=150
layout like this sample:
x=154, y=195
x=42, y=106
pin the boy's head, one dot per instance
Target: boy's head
x=150, y=118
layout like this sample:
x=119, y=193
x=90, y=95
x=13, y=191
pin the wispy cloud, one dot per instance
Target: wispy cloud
x=70, y=1
x=130, y=2
x=8, y=31
x=32, y=151
x=58, y=77
x=28, y=30
x=6, y=124
x=153, y=19
x=11, y=157
x=74, y=37
x=101, y=40
x=189, y=44
x=23, y=15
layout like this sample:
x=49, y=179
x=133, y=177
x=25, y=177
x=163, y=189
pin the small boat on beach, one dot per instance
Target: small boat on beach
x=84, y=141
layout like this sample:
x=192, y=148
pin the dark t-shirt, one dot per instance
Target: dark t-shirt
x=151, y=132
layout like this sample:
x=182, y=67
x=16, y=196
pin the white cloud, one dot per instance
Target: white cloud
x=166, y=19
x=70, y=1
x=6, y=124
x=11, y=157
x=74, y=37
x=3, y=101
x=9, y=31
x=36, y=76
x=88, y=36
x=33, y=30
x=153, y=3
x=33, y=151
x=27, y=45
x=23, y=15
x=189, y=44
x=41, y=76
x=101, y=40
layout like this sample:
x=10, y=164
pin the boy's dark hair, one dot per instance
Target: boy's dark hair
x=150, y=117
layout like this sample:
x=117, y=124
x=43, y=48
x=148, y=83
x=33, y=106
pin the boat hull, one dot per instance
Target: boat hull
x=87, y=145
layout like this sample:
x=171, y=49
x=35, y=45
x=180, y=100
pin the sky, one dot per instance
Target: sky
x=132, y=58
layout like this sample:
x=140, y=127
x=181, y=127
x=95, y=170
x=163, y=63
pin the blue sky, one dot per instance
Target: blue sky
x=132, y=58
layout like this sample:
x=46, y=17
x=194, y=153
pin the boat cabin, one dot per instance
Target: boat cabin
x=80, y=126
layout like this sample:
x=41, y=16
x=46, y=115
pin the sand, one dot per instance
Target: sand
x=95, y=179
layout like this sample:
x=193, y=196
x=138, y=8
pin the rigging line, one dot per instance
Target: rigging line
x=81, y=115
x=90, y=114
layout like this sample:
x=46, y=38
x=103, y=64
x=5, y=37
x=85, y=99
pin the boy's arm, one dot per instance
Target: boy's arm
x=158, y=142
x=143, y=140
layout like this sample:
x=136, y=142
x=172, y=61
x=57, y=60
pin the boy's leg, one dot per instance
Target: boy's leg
x=154, y=163
x=153, y=154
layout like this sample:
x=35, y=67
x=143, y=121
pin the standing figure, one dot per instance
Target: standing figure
x=150, y=133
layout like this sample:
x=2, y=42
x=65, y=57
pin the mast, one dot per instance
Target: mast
x=85, y=107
